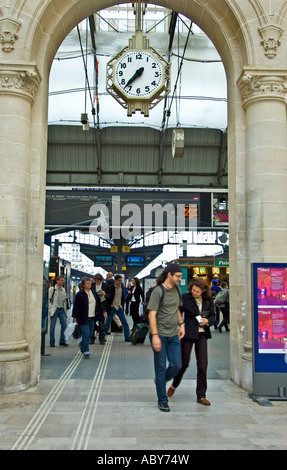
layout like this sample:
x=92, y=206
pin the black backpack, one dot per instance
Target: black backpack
x=148, y=294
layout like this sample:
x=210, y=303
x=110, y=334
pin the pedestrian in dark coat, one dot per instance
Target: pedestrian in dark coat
x=87, y=304
x=199, y=315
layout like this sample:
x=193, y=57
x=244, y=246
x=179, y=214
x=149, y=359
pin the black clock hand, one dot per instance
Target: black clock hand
x=136, y=75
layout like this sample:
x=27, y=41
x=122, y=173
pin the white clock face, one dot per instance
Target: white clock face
x=138, y=74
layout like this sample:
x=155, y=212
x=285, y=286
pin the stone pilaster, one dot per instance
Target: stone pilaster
x=263, y=95
x=18, y=87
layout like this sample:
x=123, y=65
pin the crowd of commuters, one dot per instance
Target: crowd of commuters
x=177, y=322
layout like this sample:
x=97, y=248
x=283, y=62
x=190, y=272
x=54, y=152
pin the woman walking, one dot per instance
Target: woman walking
x=199, y=315
x=87, y=303
x=136, y=294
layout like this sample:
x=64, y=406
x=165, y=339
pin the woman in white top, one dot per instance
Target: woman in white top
x=87, y=303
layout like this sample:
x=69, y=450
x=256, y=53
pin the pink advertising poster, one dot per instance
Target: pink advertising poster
x=272, y=310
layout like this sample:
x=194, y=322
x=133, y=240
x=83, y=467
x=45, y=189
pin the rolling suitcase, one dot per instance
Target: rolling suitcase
x=139, y=333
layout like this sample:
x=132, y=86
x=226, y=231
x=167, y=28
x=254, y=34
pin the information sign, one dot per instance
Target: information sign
x=269, y=287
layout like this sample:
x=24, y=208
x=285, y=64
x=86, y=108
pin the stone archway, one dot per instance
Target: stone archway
x=247, y=39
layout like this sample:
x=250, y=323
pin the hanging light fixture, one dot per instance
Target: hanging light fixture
x=177, y=143
x=85, y=121
x=84, y=116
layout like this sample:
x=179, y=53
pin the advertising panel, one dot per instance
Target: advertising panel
x=269, y=289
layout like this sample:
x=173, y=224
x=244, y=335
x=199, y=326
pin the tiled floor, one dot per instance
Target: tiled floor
x=109, y=403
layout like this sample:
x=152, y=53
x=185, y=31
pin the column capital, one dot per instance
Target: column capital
x=19, y=79
x=257, y=84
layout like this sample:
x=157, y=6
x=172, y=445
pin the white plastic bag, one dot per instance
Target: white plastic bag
x=69, y=330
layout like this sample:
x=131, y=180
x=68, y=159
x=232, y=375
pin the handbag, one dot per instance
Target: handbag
x=77, y=332
x=69, y=330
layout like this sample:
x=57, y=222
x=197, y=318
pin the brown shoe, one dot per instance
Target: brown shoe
x=203, y=401
x=170, y=391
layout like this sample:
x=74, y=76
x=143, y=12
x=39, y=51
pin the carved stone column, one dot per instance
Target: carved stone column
x=18, y=87
x=263, y=94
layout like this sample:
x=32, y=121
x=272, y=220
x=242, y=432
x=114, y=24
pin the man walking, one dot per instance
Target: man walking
x=166, y=329
x=116, y=303
x=102, y=289
x=58, y=309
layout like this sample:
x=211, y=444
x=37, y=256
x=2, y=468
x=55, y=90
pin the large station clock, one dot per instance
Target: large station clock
x=138, y=77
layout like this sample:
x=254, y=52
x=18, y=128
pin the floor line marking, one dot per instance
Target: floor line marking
x=36, y=422
x=91, y=403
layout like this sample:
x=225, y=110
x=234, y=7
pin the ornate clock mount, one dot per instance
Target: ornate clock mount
x=138, y=77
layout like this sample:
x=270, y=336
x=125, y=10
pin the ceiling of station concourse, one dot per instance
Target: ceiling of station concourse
x=198, y=96
x=197, y=100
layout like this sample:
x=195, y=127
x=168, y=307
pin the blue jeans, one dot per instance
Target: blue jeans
x=121, y=315
x=87, y=331
x=59, y=313
x=171, y=352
